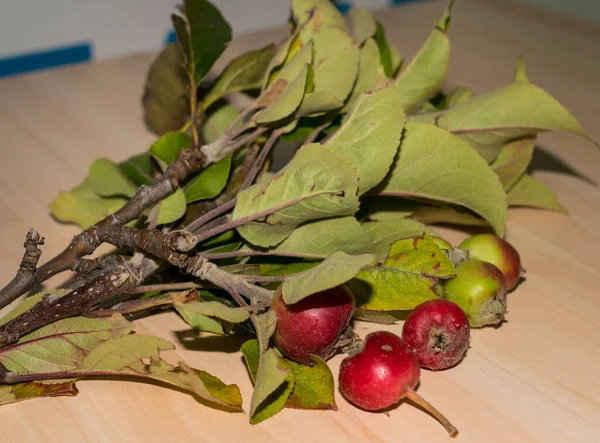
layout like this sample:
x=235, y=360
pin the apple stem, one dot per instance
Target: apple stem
x=416, y=398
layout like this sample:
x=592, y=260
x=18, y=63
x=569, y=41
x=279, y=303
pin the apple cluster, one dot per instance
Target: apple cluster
x=385, y=368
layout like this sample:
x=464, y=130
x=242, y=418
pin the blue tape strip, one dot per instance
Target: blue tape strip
x=34, y=61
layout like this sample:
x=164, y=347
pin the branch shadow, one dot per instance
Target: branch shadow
x=192, y=340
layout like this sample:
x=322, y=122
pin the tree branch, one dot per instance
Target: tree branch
x=26, y=272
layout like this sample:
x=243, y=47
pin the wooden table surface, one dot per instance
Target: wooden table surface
x=534, y=379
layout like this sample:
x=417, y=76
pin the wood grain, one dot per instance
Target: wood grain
x=534, y=379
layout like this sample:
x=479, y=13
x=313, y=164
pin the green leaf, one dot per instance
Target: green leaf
x=274, y=384
x=316, y=183
x=107, y=180
x=427, y=71
x=335, y=270
x=218, y=122
x=335, y=70
x=243, y=73
x=283, y=97
x=166, y=95
x=313, y=387
x=209, y=182
x=384, y=233
x=81, y=205
x=166, y=149
x=170, y=209
x=203, y=36
x=29, y=302
x=24, y=391
x=407, y=278
x=265, y=327
x=320, y=238
x=312, y=16
x=276, y=269
x=513, y=160
x=362, y=24
x=491, y=119
x=138, y=169
x=457, y=96
x=61, y=346
x=368, y=66
x=530, y=192
x=370, y=136
x=214, y=309
x=459, y=216
x=126, y=355
x=385, y=52
x=436, y=165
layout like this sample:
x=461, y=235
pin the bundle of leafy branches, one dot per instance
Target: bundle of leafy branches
x=203, y=225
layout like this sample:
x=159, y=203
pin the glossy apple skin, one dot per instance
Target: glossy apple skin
x=378, y=376
x=437, y=332
x=479, y=289
x=312, y=325
x=500, y=253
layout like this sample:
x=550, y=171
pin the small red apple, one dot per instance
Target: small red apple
x=381, y=374
x=312, y=325
x=437, y=332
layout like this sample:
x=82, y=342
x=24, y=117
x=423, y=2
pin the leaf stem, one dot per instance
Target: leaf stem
x=201, y=221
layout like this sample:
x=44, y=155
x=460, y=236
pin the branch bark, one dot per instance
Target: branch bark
x=25, y=274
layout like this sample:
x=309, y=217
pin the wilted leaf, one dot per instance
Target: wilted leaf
x=62, y=345
x=203, y=36
x=362, y=24
x=384, y=233
x=312, y=16
x=209, y=182
x=427, y=71
x=166, y=95
x=138, y=169
x=25, y=391
x=284, y=95
x=335, y=270
x=320, y=238
x=166, y=149
x=530, y=192
x=407, y=278
x=170, y=209
x=436, y=165
x=370, y=136
x=335, y=70
x=81, y=205
x=273, y=385
x=513, y=160
x=125, y=356
x=243, y=73
x=316, y=183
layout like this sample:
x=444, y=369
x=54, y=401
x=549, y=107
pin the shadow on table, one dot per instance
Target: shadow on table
x=544, y=160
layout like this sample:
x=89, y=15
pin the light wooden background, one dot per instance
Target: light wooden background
x=534, y=379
